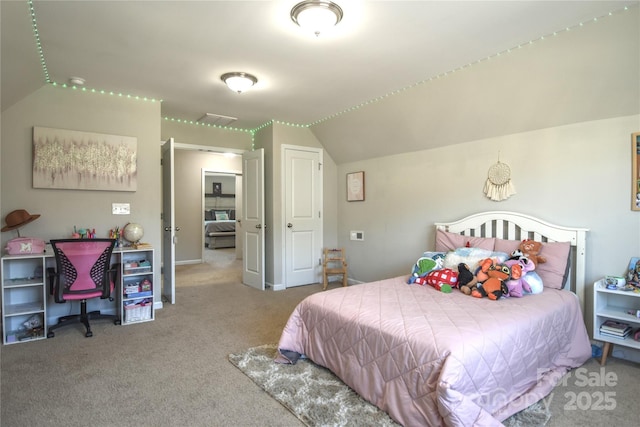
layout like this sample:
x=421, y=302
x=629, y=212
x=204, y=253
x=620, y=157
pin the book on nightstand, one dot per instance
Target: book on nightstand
x=620, y=337
x=615, y=329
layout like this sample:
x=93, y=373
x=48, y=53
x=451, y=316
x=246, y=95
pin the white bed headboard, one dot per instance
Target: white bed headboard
x=517, y=226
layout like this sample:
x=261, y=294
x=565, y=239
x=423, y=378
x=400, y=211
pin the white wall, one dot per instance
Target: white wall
x=574, y=175
x=586, y=74
x=228, y=185
x=186, y=133
x=61, y=108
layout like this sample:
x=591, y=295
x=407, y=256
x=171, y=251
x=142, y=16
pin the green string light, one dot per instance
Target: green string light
x=191, y=122
x=101, y=92
x=271, y=122
x=36, y=34
x=447, y=73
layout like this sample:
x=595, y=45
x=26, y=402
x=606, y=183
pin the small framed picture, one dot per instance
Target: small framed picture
x=355, y=186
x=217, y=189
x=633, y=273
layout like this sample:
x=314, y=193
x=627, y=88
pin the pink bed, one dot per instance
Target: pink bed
x=432, y=358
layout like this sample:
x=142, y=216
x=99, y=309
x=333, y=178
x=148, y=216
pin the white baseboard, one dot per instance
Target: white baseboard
x=189, y=261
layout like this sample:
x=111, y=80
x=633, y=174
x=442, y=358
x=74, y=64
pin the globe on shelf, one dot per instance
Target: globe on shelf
x=133, y=232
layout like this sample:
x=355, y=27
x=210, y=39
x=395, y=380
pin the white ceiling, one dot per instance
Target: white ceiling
x=177, y=50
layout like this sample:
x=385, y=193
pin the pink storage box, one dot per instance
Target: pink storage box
x=25, y=246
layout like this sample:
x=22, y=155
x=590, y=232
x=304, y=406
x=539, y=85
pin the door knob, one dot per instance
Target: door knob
x=167, y=229
x=289, y=225
x=258, y=226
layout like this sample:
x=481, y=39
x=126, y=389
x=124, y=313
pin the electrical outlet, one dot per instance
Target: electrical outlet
x=120, y=208
x=357, y=235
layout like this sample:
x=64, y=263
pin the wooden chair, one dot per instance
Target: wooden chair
x=334, y=263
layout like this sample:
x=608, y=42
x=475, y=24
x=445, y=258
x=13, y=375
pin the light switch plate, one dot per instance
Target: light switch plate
x=120, y=208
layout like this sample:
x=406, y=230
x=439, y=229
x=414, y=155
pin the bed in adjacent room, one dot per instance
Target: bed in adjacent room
x=220, y=228
x=432, y=358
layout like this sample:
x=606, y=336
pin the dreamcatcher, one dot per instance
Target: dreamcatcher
x=499, y=186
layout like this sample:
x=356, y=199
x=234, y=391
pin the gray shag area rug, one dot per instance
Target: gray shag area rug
x=318, y=398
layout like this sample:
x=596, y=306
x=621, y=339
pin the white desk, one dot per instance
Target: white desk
x=25, y=293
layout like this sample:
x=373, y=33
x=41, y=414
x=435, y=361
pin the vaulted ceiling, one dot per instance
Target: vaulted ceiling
x=176, y=51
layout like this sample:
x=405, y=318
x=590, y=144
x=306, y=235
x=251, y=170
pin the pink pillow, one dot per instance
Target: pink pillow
x=506, y=246
x=446, y=241
x=553, y=272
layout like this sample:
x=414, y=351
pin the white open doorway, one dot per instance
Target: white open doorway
x=221, y=208
x=190, y=161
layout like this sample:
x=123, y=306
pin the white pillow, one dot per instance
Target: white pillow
x=222, y=216
x=471, y=257
x=534, y=280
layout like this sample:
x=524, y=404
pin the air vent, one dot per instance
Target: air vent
x=216, y=119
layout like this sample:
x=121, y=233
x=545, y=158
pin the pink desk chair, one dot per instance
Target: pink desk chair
x=82, y=272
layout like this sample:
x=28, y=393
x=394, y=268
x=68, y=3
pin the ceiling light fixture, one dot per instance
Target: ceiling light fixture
x=76, y=81
x=239, y=81
x=316, y=15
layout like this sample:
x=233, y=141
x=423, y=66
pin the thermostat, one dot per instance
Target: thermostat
x=357, y=235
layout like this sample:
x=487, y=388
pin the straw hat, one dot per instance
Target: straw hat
x=17, y=219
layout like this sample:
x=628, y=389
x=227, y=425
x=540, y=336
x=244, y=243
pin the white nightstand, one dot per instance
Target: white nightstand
x=610, y=304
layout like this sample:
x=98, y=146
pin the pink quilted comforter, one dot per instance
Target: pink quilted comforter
x=430, y=358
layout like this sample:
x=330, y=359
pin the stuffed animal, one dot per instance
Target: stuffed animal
x=518, y=284
x=633, y=275
x=443, y=280
x=494, y=287
x=424, y=265
x=531, y=249
x=467, y=281
x=516, y=255
x=483, y=268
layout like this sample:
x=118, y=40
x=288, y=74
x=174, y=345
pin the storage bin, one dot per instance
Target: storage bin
x=137, y=312
x=128, y=269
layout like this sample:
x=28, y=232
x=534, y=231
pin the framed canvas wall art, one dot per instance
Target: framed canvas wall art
x=68, y=159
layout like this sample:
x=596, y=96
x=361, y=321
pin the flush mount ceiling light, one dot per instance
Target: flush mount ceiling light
x=239, y=81
x=316, y=15
x=76, y=81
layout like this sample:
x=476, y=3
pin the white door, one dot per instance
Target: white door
x=239, y=244
x=303, y=215
x=252, y=224
x=168, y=224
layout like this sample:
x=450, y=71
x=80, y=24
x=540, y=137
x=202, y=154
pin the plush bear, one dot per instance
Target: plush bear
x=531, y=249
x=494, y=287
x=443, y=280
x=518, y=284
x=467, y=281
